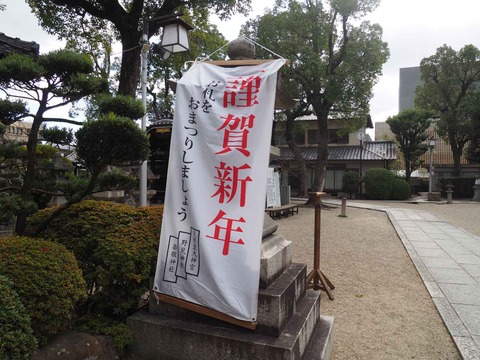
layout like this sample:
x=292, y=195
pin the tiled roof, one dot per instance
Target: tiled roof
x=375, y=150
x=9, y=45
x=313, y=117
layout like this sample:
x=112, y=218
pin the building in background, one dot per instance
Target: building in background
x=18, y=132
x=9, y=45
x=348, y=152
x=409, y=80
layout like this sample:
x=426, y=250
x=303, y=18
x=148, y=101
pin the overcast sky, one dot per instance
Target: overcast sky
x=413, y=29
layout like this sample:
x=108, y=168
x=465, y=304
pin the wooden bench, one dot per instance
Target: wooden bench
x=284, y=210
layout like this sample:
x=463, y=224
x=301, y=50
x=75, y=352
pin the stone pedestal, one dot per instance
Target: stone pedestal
x=434, y=196
x=136, y=195
x=476, y=193
x=476, y=189
x=289, y=325
x=111, y=195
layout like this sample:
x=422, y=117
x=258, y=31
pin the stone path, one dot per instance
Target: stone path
x=448, y=260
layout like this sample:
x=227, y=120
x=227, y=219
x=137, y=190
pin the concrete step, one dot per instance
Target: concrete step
x=160, y=337
x=275, y=259
x=278, y=303
x=321, y=345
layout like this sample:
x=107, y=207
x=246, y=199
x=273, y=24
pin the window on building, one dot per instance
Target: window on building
x=333, y=178
x=313, y=137
x=299, y=137
x=279, y=138
x=334, y=138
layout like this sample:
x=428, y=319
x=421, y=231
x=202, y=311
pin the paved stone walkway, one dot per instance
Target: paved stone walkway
x=448, y=260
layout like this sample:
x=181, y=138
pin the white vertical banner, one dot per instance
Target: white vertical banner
x=211, y=235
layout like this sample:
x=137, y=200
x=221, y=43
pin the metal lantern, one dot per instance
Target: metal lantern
x=160, y=51
x=175, y=35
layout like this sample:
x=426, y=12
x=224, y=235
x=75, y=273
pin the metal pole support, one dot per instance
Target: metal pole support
x=316, y=279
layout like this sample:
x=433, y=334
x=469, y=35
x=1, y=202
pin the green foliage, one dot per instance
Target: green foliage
x=204, y=41
x=62, y=63
x=120, y=105
x=11, y=205
x=462, y=187
x=11, y=111
x=449, y=88
x=16, y=336
x=10, y=150
x=100, y=325
x=351, y=182
x=110, y=140
x=72, y=185
x=472, y=151
x=19, y=69
x=379, y=183
x=74, y=20
x=410, y=128
x=336, y=56
x=56, y=79
x=116, y=246
x=116, y=180
x=55, y=135
x=47, y=279
x=401, y=190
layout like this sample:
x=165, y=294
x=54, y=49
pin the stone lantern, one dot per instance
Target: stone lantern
x=476, y=189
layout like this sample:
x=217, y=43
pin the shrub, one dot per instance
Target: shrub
x=379, y=183
x=462, y=187
x=16, y=335
x=401, y=190
x=350, y=182
x=115, y=245
x=101, y=325
x=47, y=279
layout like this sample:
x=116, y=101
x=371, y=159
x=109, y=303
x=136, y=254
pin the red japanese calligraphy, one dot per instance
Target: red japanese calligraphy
x=243, y=91
x=229, y=182
x=236, y=133
x=224, y=233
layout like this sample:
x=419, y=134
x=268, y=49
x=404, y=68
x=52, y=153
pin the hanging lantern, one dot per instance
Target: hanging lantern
x=160, y=51
x=175, y=35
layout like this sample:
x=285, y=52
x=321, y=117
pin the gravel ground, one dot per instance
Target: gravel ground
x=382, y=309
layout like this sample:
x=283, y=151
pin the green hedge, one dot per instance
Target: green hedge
x=401, y=190
x=351, y=182
x=462, y=187
x=48, y=280
x=16, y=336
x=379, y=183
x=116, y=246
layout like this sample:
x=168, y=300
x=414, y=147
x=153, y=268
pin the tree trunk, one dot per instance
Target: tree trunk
x=321, y=108
x=408, y=171
x=61, y=208
x=303, y=191
x=29, y=178
x=457, y=168
x=302, y=166
x=130, y=69
x=128, y=25
x=322, y=154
